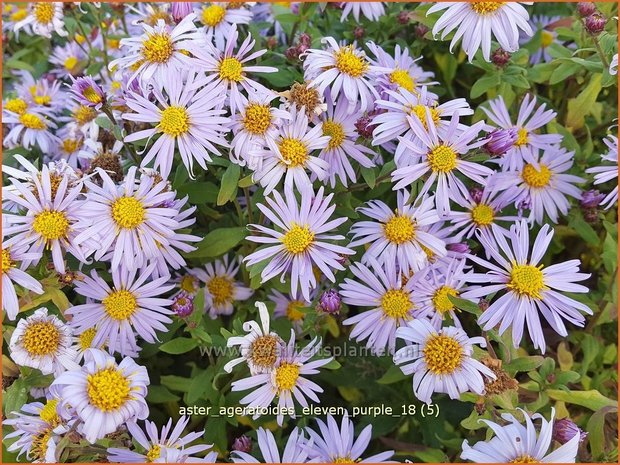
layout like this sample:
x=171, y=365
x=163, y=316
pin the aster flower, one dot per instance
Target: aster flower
x=218, y=19
x=529, y=287
x=607, y=173
x=343, y=69
x=12, y=274
x=548, y=36
x=440, y=153
x=72, y=147
x=290, y=155
x=43, y=18
x=521, y=444
x=43, y=342
x=294, y=450
x=338, y=445
x=47, y=95
x=229, y=70
x=51, y=220
x=130, y=220
x=68, y=60
x=542, y=183
x=302, y=240
x=303, y=97
x=477, y=22
x=287, y=381
x=221, y=287
x=440, y=360
x=528, y=121
x=260, y=347
x=133, y=304
x=399, y=236
x=103, y=394
x=159, y=52
x=188, y=120
x=87, y=92
x=289, y=307
x=391, y=298
x=339, y=125
x=371, y=10
x=153, y=442
x=12, y=13
x=28, y=128
x=83, y=117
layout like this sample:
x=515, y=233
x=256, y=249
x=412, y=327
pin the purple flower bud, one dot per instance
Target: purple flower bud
x=500, y=57
x=591, y=199
x=330, y=302
x=458, y=247
x=483, y=304
x=476, y=194
x=585, y=9
x=180, y=10
x=595, y=23
x=183, y=304
x=87, y=92
x=564, y=430
x=365, y=127
x=305, y=39
x=242, y=444
x=420, y=30
x=272, y=42
x=358, y=32
x=500, y=141
x=295, y=8
x=403, y=18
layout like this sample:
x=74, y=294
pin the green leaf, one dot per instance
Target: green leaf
x=523, y=364
x=483, y=84
x=228, y=188
x=218, y=242
x=583, y=104
x=247, y=181
x=16, y=395
x=465, y=305
x=369, y=176
x=161, y=394
x=585, y=231
x=591, y=399
x=180, y=345
x=393, y=375
x=596, y=431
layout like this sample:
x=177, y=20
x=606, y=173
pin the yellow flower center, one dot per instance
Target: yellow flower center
x=128, y=212
x=303, y=96
x=188, y=284
x=71, y=63
x=7, y=263
x=43, y=12
x=264, y=351
x=399, y=229
x=441, y=299
x=213, y=15
x=158, y=48
x=49, y=414
x=39, y=445
x=16, y=105
x=153, y=453
x=86, y=338
x=420, y=112
x=348, y=62
x=429, y=253
x=292, y=310
x=71, y=145
x=114, y=43
x=79, y=38
x=174, y=121
x=41, y=338
x=32, y=121
x=345, y=459
x=396, y=304
x=526, y=280
x=51, y=225
x=535, y=178
x=231, y=69
x=286, y=376
x=442, y=354
x=257, y=118
x=442, y=159
x=522, y=137
x=44, y=100
x=403, y=79
x=482, y=215
x=120, y=305
x=484, y=8
x=155, y=17
x=221, y=289
x=546, y=38
x=336, y=133
x=294, y=152
x=92, y=95
x=298, y=239
x=525, y=459
x=84, y=114
x=19, y=15
x=108, y=389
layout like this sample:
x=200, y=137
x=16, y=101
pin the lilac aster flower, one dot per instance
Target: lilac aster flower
x=607, y=173
x=87, y=92
x=500, y=141
x=338, y=445
x=30, y=128
x=43, y=18
x=229, y=69
x=188, y=119
x=371, y=10
x=290, y=155
x=103, y=394
x=218, y=19
x=529, y=287
x=289, y=307
x=548, y=36
x=528, y=122
x=440, y=360
x=391, y=298
x=440, y=154
x=68, y=60
x=521, y=444
x=301, y=241
x=399, y=236
x=132, y=305
x=477, y=21
x=287, y=381
x=13, y=274
x=542, y=184
x=153, y=442
x=294, y=451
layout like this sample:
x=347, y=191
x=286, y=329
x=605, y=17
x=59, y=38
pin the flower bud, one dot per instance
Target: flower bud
x=476, y=194
x=365, y=127
x=358, y=32
x=500, y=57
x=242, y=444
x=483, y=304
x=591, y=199
x=595, y=23
x=330, y=302
x=458, y=247
x=585, y=9
x=272, y=42
x=403, y=18
x=292, y=53
x=500, y=141
x=183, y=304
x=305, y=39
x=180, y=10
x=420, y=30
x=564, y=430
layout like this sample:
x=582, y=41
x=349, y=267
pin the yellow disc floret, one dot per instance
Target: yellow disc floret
x=174, y=121
x=157, y=48
x=536, y=178
x=213, y=15
x=298, y=239
x=51, y=225
x=32, y=121
x=442, y=354
x=527, y=280
x=7, y=263
x=441, y=299
x=108, y=389
x=442, y=159
x=399, y=229
x=120, y=305
x=257, y=118
x=484, y=8
x=41, y=338
x=286, y=376
x=482, y=215
x=396, y=304
x=221, y=289
x=336, y=133
x=231, y=69
x=293, y=151
x=16, y=105
x=349, y=62
x=43, y=12
x=402, y=79
x=128, y=212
